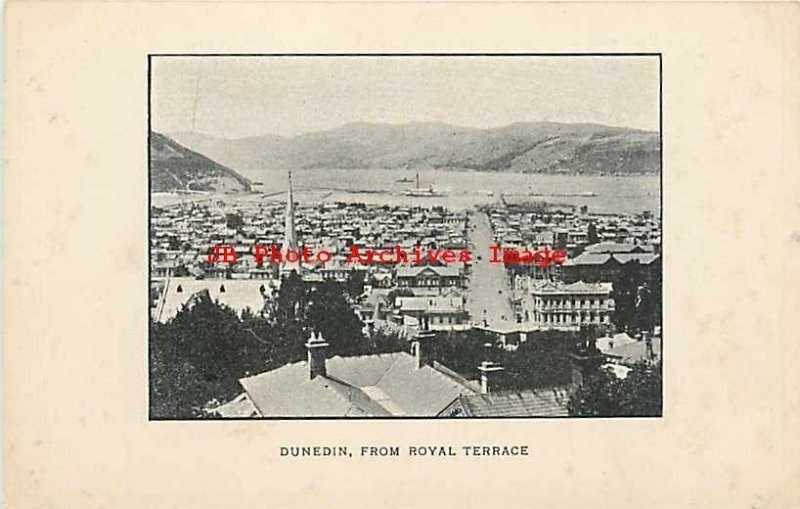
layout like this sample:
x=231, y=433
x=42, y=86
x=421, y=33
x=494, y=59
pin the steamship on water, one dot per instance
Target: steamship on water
x=423, y=192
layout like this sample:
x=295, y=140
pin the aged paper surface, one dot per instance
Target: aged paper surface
x=77, y=427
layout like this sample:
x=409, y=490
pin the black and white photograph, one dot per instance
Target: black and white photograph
x=401, y=254
x=405, y=236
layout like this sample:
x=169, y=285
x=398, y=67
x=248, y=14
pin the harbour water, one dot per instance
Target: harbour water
x=462, y=189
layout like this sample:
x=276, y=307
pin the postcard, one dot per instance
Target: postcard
x=401, y=254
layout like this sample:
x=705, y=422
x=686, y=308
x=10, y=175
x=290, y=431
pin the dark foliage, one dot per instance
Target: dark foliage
x=234, y=221
x=542, y=361
x=398, y=292
x=384, y=342
x=593, y=238
x=604, y=395
x=355, y=285
x=637, y=301
x=200, y=355
x=330, y=313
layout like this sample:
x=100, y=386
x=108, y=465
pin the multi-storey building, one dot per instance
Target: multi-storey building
x=557, y=305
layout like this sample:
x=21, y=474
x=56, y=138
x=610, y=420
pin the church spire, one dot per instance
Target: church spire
x=290, y=240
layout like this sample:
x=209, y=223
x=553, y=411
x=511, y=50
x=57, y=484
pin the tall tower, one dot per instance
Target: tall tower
x=290, y=240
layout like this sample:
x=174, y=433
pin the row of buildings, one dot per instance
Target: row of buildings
x=577, y=293
x=601, y=250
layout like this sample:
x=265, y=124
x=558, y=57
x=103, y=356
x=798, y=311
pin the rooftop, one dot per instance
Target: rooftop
x=445, y=271
x=589, y=258
x=617, y=247
x=579, y=287
x=433, y=303
x=238, y=294
x=529, y=403
x=365, y=385
x=634, y=352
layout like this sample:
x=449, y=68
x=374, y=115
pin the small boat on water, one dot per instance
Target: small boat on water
x=404, y=180
x=424, y=193
x=584, y=194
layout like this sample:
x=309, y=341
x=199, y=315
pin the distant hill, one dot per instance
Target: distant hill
x=174, y=167
x=541, y=147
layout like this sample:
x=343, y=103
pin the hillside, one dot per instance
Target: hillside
x=542, y=147
x=173, y=167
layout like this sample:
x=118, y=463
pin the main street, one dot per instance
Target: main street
x=489, y=295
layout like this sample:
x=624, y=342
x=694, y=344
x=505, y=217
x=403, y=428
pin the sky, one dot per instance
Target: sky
x=236, y=97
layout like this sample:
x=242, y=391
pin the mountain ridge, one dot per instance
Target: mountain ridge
x=173, y=167
x=527, y=147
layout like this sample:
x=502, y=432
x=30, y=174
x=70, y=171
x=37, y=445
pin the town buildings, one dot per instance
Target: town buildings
x=442, y=312
x=607, y=261
x=623, y=352
x=560, y=305
x=183, y=234
x=429, y=276
x=402, y=297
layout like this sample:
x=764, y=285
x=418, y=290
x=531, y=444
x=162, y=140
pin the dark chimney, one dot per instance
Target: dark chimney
x=317, y=354
x=585, y=362
x=422, y=346
x=488, y=377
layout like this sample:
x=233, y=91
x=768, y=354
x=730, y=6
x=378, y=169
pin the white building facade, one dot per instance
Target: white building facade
x=556, y=305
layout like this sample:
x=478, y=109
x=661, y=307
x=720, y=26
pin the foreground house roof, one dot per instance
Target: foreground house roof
x=529, y=403
x=361, y=386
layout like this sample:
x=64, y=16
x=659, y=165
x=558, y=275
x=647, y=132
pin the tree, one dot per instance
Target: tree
x=398, y=292
x=645, y=314
x=637, y=297
x=199, y=356
x=301, y=309
x=234, y=221
x=181, y=271
x=174, y=243
x=384, y=341
x=293, y=298
x=464, y=352
x=604, y=395
x=355, y=284
x=330, y=313
x=625, y=292
x=592, y=234
x=542, y=361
